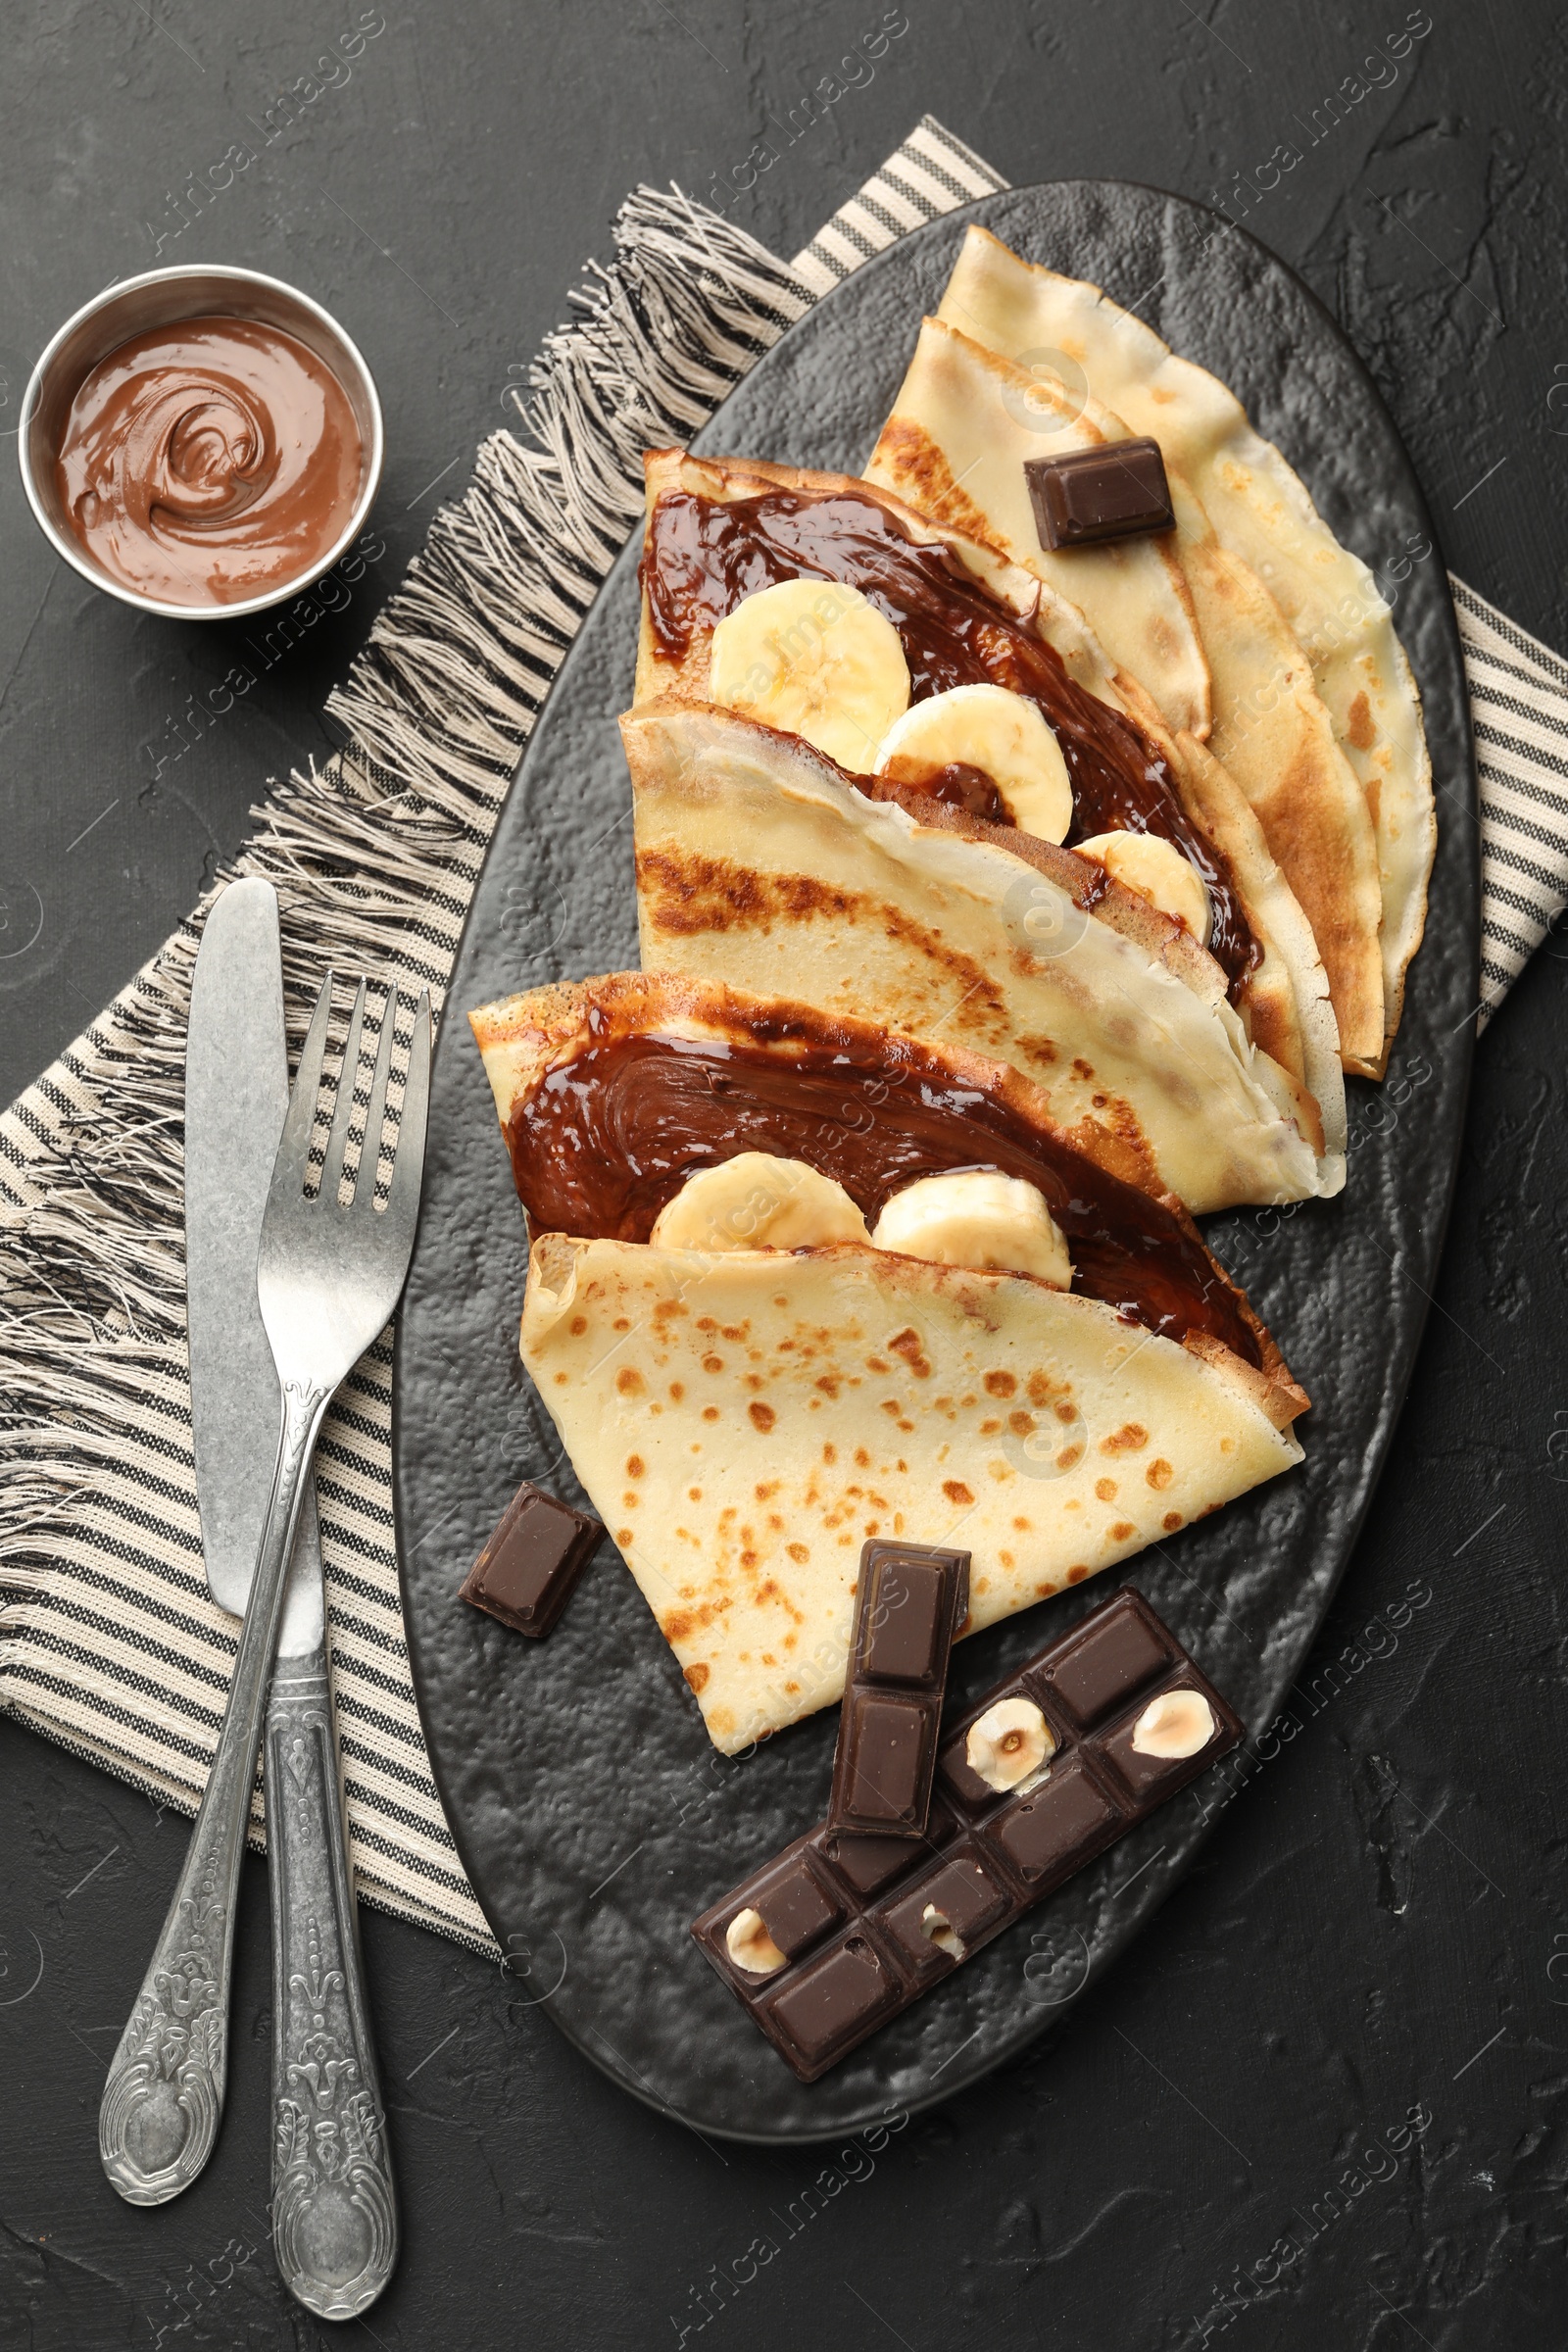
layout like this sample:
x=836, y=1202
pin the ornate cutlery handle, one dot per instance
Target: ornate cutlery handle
x=163, y=2098
x=335, y=2212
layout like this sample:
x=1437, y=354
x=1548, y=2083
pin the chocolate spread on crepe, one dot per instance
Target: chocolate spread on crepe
x=208, y=462
x=761, y=865
x=613, y=1133
x=701, y=558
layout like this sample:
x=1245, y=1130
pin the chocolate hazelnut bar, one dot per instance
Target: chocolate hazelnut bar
x=843, y=1931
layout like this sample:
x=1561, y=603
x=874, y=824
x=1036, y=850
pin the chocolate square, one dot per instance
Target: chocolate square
x=832, y=2002
x=968, y=1895
x=1047, y=1833
x=887, y=1761
x=795, y=1907
x=870, y=1863
x=1088, y=496
x=968, y=1786
x=1119, y=1653
x=526, y=1573
x=906, y=1630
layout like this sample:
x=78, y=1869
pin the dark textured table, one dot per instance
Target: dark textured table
x=1325, y=2102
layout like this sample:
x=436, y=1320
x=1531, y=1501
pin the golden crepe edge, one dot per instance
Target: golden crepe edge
x=1261, y=508
x=954, y=447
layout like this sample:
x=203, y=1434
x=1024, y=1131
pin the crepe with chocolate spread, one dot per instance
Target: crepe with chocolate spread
x=761, y=864
x=745, y=1413
x=964, y=424
x=1260, y=511
x=722, y=538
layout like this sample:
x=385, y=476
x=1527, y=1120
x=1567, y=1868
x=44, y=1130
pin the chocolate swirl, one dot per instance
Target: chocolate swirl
x=210, y=461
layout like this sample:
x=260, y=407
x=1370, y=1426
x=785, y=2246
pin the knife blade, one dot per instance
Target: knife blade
x=236, y=1096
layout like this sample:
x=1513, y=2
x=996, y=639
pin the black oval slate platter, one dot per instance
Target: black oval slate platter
x=590, y=1812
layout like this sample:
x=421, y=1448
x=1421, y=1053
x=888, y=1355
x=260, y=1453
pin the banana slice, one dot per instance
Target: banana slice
x=999, y=732
x=757, y=1200
x=980, y=1218
x=815, y=659
x=1158, y=871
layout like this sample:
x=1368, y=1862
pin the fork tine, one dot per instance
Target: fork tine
x=337, y=1143
x=294, y=1145
x=371, y=1154
x=408, y=1167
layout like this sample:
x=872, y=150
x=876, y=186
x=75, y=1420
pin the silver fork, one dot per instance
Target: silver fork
x=327, y=1280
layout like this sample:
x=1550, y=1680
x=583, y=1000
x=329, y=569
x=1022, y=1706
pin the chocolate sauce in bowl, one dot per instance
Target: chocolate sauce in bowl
x=210, y=461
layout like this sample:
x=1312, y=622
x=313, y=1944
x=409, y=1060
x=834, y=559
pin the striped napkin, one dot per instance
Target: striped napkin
x=109, y=1642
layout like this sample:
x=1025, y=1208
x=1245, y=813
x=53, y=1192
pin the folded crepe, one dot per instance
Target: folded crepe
x=965, y=423
x=760, y=864
x=1261, y=511
x=718, y=532
x=744, y=1417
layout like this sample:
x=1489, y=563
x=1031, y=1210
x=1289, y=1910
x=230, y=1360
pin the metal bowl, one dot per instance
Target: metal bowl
x=161, y=298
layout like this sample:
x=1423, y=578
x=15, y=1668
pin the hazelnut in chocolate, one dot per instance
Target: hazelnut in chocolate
x=1114, y=1716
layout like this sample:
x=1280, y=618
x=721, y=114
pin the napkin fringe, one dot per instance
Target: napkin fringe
x=460, y=661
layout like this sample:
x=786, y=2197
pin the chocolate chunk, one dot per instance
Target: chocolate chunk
x=907, y=1622
x=833, y=2002
x=1047, y=1833
x=909, y=1603
x=887, y=1745
x=935, y=1926
x=795, y=1909
x=871, y=1863
x=1088, y=496
x=526, y=1572
x=1117, y=1654
x=904, y=1911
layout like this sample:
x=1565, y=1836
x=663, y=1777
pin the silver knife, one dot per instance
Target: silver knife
x=334, y=2216
x=163, y=2098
